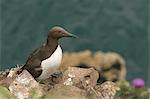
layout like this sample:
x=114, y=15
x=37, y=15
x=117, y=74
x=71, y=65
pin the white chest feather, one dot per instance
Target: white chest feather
x=51, y=64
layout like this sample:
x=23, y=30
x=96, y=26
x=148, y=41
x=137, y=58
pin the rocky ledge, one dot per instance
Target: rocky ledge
x=73, y=83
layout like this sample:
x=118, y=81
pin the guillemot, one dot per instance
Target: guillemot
x=46, y=59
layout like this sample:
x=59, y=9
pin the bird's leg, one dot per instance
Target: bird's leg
x=56, y=74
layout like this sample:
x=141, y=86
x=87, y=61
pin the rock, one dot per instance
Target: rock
x=107, y=90
x=3, y=74
x=6, y=81
x=50, y=82
x=22, y=85
x=80, y=77
x=13, y=72
x=8, y=76
x=114, y=67
x=61, y=91
x=10, y=73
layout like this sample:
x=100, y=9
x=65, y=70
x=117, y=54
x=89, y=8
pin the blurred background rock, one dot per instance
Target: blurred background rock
x=117, y=26
x=110, y=66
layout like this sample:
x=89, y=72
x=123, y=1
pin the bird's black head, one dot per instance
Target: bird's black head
x=58, y=32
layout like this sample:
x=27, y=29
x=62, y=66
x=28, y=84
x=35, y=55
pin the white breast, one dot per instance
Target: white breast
x=51, y=64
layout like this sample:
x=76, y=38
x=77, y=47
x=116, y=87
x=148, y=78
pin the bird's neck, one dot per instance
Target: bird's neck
x=52, y=42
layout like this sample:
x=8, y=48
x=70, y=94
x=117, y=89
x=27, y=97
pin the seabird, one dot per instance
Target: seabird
x=46, y=59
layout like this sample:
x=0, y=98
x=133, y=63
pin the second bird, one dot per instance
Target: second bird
x=46, y=59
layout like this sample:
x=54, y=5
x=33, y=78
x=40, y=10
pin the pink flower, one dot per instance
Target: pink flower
x=138, y=83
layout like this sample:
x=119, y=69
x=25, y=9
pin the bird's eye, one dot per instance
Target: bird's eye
x=59, y=31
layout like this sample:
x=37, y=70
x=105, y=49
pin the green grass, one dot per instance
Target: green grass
x=129, y=92
x=5, y=94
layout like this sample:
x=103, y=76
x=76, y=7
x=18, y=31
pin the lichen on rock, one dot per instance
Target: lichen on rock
x=22, y=85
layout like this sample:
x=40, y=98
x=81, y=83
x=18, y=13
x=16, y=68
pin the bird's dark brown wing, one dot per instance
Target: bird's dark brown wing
x=34, y=68
x=33, y=63
x=34, y=53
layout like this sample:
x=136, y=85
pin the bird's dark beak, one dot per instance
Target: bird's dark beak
x=67, y=34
